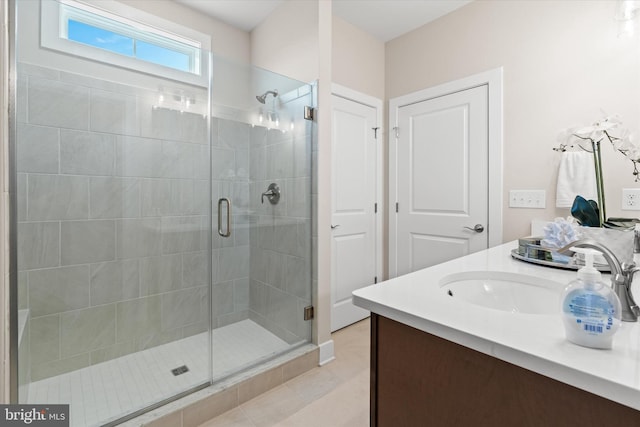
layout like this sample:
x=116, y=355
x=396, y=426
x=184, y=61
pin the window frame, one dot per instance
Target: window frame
x=55, y=14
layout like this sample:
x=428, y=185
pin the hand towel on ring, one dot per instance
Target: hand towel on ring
x=576, y=176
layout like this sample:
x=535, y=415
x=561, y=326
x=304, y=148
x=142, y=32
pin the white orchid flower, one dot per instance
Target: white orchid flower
x=621, y=141
x=633, y=154
x=596, y=131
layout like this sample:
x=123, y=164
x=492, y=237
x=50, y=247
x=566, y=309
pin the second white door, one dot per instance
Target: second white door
x=441, y=179
x=353, y=219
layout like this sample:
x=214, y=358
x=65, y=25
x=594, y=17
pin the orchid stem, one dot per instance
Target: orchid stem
x=599, y=181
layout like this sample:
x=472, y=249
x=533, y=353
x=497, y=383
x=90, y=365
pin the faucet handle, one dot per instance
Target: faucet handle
x=629, y=270
x=628, y=266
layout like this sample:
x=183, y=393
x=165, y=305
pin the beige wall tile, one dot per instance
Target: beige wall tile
x=234, y=418
x=171, y=420
x=210, y=407
x=259, y=384
x=300, y=365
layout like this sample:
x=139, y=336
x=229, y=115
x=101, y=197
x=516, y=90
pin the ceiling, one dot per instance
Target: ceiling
x=243, y=14
x=384, y=19
x=388, y=19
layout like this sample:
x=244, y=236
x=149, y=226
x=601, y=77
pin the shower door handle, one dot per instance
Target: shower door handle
x=228, y=202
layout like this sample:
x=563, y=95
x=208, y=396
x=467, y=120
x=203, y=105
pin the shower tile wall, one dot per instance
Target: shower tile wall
x=280, y=256
x=113, y=220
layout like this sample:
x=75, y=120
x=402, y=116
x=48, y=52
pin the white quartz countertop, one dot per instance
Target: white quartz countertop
x=532, y=341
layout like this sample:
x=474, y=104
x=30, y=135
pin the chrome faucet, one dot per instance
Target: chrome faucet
x=621, y=276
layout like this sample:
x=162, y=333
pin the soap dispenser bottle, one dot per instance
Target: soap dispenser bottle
x=590, y=308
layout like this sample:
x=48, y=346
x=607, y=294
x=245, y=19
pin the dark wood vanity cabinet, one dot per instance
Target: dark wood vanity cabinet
x=418, y=379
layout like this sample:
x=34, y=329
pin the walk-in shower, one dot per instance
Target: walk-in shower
x=147, y=265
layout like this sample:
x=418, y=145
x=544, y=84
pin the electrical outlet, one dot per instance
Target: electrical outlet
x=535, y=199
x=631, y=199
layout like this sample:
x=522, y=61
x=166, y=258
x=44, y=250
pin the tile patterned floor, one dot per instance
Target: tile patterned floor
x=335, y=395
x=108, y=390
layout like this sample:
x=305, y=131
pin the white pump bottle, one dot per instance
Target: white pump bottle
x=590, y=308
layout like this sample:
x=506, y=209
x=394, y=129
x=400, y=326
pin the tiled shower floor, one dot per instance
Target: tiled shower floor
x=109, y=390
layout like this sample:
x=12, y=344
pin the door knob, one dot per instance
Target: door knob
x=479, y=228
x=333, y=227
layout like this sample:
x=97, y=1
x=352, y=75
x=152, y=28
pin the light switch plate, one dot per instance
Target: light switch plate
x=532, y=199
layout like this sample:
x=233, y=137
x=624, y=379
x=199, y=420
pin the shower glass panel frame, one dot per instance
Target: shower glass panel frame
x=119, y=264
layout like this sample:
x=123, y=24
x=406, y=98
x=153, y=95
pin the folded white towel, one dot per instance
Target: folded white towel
x=576, y=176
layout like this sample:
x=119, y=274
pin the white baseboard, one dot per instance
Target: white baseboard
x=326, y=352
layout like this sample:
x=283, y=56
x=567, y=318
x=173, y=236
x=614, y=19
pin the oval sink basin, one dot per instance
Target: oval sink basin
x=512, y=292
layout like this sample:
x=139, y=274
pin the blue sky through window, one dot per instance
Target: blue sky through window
x=117, y=43
x=93, y=36
x=162, y=56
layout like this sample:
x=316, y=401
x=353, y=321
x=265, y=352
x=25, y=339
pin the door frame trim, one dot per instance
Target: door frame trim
x=377, y=104
x=494, y=80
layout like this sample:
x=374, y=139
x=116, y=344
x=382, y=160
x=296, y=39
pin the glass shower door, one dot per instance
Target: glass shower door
x=261, y=169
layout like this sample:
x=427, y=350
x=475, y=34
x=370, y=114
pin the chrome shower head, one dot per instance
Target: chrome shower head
x=261, y=98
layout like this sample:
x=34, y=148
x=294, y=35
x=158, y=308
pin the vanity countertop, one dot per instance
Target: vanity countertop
x=532, y=341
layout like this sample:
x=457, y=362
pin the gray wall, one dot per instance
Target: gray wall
x=113, y=219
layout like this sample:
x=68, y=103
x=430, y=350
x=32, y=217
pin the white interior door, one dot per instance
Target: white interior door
x=441, y=179
x=353, y=220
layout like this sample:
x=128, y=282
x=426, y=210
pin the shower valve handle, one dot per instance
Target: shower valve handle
x=269, y=193
x=272, y=193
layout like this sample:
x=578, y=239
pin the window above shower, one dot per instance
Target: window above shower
x=135, y=42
